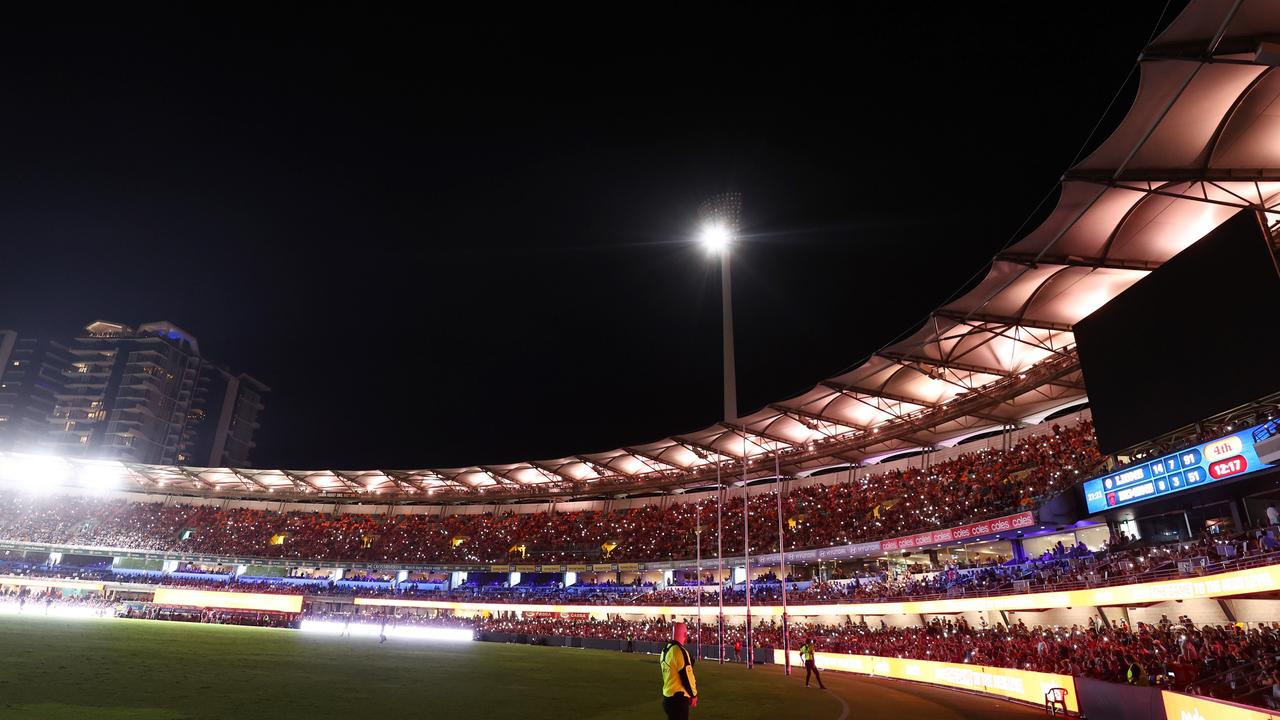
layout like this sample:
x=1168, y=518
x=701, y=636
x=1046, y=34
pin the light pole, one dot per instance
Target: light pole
x=697, y=508
x=720, y=216
x=746, y=550
x=782, y=562
x=720, y=561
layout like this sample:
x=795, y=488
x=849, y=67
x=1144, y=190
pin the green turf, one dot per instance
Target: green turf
x=53, y=669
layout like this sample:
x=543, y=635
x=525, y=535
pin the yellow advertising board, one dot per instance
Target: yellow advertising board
x=1190, y=707
x=499, y=568
x=229, y=600
x=526, y=568
x=628, y=567
x=575, y=568
x=1023, y=685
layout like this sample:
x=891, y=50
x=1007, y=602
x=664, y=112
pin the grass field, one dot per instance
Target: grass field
x=52, y=669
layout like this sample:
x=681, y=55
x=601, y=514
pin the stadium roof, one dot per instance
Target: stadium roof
x=1200, y=143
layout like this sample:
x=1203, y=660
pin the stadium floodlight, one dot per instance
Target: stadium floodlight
x=99, y=476
x=715, y=237
x=719, y=219
x=34, y=472
x=408, y=632
x=67, y=613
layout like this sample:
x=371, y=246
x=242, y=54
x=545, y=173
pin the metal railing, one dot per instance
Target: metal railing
x=1007, y=587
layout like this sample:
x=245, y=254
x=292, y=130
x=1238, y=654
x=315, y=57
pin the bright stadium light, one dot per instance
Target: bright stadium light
x=33, y=609
x=715, y=237
x=34, y=472
x=99, y=476
x=721, y=217
x=409, y=632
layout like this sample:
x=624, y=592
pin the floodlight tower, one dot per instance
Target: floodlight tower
x=720, y=218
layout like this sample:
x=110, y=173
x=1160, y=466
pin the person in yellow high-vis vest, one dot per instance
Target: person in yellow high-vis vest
x=679, y=687
x=806, y=655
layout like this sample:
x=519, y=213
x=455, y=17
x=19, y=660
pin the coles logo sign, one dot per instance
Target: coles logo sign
x=964, y=532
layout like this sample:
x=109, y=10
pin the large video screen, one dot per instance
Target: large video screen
x=1194, y=338
x=1204, y=464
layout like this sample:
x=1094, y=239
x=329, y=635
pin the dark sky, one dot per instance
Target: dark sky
x=452, y=244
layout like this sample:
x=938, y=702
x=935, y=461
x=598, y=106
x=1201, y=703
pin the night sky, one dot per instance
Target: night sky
x=444, y=245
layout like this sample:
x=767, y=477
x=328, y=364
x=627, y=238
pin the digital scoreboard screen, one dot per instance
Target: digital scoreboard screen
x=1227, y=457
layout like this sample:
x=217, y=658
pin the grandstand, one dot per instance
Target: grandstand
x=939, y=514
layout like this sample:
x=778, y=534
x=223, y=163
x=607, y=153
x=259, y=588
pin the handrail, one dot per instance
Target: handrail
x=1220, y=677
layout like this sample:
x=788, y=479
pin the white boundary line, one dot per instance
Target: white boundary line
x=844, y=706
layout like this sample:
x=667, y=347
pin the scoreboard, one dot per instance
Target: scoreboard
x=1226, y=457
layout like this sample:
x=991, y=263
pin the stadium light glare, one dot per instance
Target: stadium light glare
x=715, y=237
x=408, y=632
x=35, y=472
x=35, y=609
x=99, y=476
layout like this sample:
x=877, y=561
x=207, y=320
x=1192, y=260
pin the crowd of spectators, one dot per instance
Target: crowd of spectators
x=1123, y=560
x=209, y=616
x=1222, y=661
x=972, y=486
x=46, y=601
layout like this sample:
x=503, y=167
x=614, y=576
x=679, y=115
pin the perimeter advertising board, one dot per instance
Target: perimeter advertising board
x=1008, y=523
x=1022, y=685
x=1190, y=707
x=962, y=533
